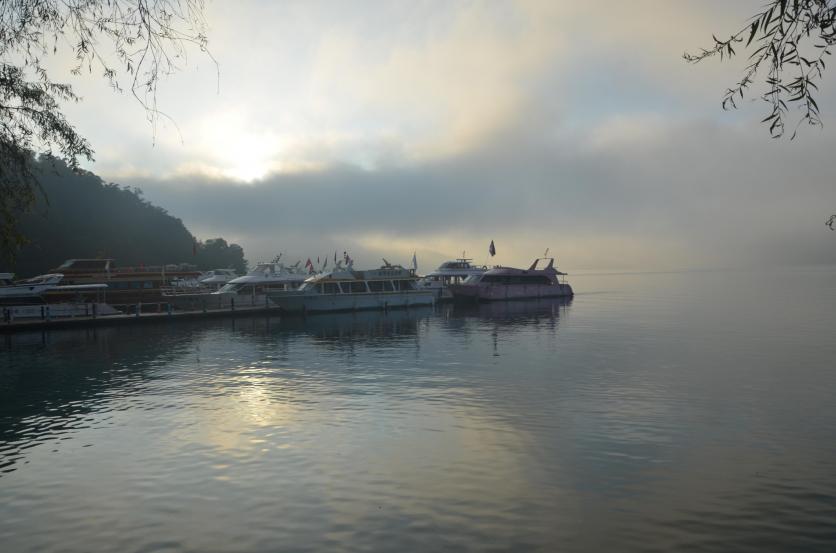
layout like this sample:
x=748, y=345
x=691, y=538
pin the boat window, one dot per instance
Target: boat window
x=358, y=286
x=517, y=279
x=331, y=288
x=376, y=285
x=148, y=284
x=405, y=285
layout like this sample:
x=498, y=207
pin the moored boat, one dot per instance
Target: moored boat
x=507, y=283
x=49, y=288
x=344, y=289
x=125, y=285
x=217, y=278
x=448, y=273
x=244, y=291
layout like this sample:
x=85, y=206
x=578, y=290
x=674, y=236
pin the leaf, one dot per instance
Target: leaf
x=752, y=33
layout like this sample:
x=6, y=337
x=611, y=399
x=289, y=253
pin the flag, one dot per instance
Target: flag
x=492, y=249
x=317, y=260
x=335, y=256
x=325, y=264
x=309, y=265
x=414, y=262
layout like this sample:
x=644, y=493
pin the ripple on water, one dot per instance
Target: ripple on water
x=641, y=418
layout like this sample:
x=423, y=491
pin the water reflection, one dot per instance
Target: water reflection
x=616, y=421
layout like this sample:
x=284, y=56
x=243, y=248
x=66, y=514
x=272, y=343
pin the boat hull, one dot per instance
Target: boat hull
x=488, y=292
x=301, y=302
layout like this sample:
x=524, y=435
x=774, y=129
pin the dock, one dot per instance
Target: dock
x=17, y=325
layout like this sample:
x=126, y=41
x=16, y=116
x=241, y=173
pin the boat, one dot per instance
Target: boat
x=449, y=272
x=43, y=288
x=264, y=278
x=507, y=283
x=217, y=278
x=345, y=289
x=26, y=291
x=243, y=291
x=126, y=285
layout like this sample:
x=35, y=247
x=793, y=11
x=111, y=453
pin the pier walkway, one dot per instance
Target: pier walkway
x=82, y=321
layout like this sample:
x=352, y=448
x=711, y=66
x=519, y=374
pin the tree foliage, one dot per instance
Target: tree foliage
x=133, y=43
x=90, y=218
x=790, y=42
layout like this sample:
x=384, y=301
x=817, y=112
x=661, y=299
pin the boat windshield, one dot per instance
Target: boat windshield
x=230, y=288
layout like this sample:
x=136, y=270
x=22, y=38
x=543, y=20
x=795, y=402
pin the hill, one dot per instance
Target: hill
x=84, y=217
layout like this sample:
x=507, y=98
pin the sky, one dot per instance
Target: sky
x=387, y=128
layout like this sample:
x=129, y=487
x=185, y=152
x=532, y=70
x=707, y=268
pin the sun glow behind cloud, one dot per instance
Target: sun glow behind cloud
x=546, y=123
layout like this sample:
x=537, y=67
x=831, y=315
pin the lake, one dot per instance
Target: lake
x=652, y=412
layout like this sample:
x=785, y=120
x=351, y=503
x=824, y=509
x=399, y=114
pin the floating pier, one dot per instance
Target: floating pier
x=46, y=321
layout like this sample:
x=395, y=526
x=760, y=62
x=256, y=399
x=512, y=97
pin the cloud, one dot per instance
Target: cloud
x=438, y=126
x=631, y=193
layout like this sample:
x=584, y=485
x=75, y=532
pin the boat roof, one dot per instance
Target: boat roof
x=386, y=272
x=548, y=269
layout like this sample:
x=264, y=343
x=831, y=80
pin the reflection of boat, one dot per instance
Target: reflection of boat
x=344, y=289
x=511, y=310
x=507, y=283
x=449, y=272
x=359, y=325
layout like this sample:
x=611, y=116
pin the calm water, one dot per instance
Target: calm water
x=655, y=412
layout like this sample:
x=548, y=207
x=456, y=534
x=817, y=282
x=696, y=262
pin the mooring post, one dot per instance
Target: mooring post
x=43, y=313
x=48, y=317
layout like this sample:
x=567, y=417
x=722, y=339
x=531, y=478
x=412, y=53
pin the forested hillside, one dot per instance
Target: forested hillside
x=84, y=217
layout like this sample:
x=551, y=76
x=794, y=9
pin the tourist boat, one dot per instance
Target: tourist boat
x=265, y=278
x=506, y=283
x=126, y=285
x=344, y=289
x=243, y=291
x=40, y=289
x=449, y=272
x=217, y=278
x=26, y=291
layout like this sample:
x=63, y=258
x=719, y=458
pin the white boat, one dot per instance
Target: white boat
x=217, y=278
x=344, y=289
x=32, y=290
x=449, y=272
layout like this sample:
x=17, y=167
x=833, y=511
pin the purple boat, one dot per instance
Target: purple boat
x=506, y=283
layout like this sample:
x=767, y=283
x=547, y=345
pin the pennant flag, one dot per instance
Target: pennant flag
x=414, y=262
x=309, y=265
x=492, y=249
x=317, y=260
x=335, y=256
x=325, y=264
